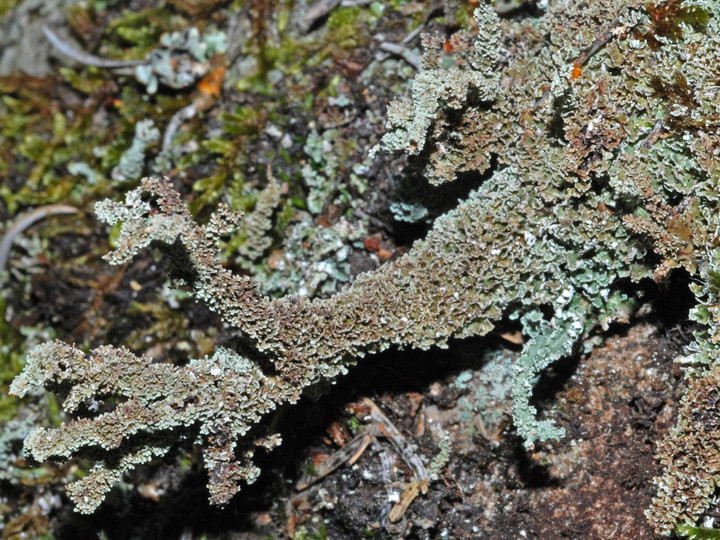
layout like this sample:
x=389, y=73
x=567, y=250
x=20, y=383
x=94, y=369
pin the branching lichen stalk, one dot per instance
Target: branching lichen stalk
x=600, y=173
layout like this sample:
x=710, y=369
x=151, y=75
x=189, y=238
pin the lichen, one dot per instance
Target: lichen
x=132, y=161
x=313, y=260
x=593, y=133
x=444, y=84
x=254, y=237
x=690, y=457
x=181, y=60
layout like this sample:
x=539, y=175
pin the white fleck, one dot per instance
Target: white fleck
x=530, y=238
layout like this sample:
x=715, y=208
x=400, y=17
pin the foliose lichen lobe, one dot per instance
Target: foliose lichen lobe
x=596, y=125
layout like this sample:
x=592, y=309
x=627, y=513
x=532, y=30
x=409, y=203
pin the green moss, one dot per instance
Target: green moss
x=245, y=120
x=348, y=26
x=209, y=190
x=7, y=5
x=463, y=16
x=135, y=34
x=88, y=81
x=691, y=532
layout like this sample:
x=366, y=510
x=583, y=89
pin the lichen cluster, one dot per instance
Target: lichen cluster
x=595, y=130
x=690, y=456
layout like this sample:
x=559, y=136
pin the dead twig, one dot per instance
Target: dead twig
x=318, y=10
x=25, y=221
x=401, y=51
x=87, y=58
x=178, y=119
x=351, y=452
x=406, y=499
x=321, y=8
x=654, y=135
x=615, y=29
x=366, y=438
x=401, y=444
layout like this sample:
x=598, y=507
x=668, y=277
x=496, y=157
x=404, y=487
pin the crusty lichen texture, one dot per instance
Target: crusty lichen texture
x=596, y=126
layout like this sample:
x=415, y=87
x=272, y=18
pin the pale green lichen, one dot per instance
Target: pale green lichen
x=181, y=60
x=595, y=127
x=488, y=393
x=13, y=433
x=440, y=87
x=253, y=236
x=327, y=151
x=314, y=260
x=320, y=172
x=81, y=168
x=132, y=161
x=441, y=459
x=549, y=341
x=409, y=212
x=690, y=457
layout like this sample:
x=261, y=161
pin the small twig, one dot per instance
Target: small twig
x=353, y=3
x=366, y=438
x=381, y=427
x=382, y=56
x=615, y=29
x=26, y=220
x=406, y=499
x=350, y=453
x=412, y=35
x=321, y=8
x=480, y=426
x=318, y=10
x=654, y=135
x=375, y=222
x=87, y=58
x=180, y=117
x=401, y=444
x=401, y=51
x=234, y=47
x=386, y=464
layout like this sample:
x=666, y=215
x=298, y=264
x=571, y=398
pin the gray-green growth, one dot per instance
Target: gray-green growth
x=132, y=161
x=596, y=126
